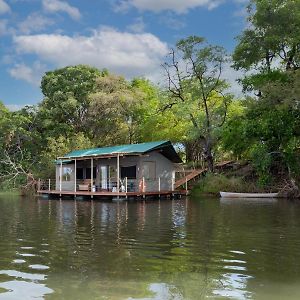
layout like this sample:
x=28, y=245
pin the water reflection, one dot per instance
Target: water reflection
x=17, y=289
x=164, y=249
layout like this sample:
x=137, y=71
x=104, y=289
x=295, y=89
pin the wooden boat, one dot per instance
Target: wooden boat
x=248, y=195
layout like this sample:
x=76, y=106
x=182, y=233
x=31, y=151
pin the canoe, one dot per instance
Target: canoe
x=248, y=195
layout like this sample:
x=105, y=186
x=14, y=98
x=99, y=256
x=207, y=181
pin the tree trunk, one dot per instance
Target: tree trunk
x=208, y=155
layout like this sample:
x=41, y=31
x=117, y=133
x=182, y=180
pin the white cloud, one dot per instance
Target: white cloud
x=54, y=6
x=14, y=107
x=4, y=7
x=178, y=6
x=34, y=22
x=138, y=26
x=171, y=21
x=231, y=76
x=31, y=74
x=131, y=54
x=3, y=27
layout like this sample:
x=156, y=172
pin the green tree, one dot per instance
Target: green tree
x=66, y=102
x=19, y=145
x=111, y=116
x=268, y=129
x=271, y=44
x=152, y=122
x=194, y=71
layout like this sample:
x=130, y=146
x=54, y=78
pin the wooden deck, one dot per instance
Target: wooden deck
x=106, y=194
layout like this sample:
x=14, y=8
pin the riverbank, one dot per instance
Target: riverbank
x=212, y=184
x=241, y=178
x=10, y=193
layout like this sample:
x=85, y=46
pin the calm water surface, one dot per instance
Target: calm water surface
x=181, y=249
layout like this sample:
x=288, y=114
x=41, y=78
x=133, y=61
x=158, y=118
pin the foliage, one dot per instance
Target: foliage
x=270, y=45
x=66, y=100
x=268, y=128
x=214, y=183
x=85, y=107
x=194, y=72
x=57, y=147
x=82, y=108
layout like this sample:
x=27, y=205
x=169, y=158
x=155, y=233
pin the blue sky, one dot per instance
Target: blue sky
x=128, y=37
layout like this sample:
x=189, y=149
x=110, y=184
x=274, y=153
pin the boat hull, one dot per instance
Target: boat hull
x=248, y=195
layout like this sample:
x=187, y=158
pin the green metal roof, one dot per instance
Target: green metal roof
x=166, y=147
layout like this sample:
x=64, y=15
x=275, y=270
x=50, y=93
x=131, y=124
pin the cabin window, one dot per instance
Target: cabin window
x=129, y=172
x=88, y=173
x=149, y=170
x=79, y=173
x=66, y=174
x=112, y=173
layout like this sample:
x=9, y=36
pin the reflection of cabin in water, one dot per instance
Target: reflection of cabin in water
x=127, y=170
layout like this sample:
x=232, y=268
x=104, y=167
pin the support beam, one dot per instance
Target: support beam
x=75, y=174
x=186, y=184
x=159, y=186
x=173, y=180
x=60, y=176
x=143, y=187
x=118, y=174
x=92, y=175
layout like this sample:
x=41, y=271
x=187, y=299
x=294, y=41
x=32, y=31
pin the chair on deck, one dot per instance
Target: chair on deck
x=85, y=186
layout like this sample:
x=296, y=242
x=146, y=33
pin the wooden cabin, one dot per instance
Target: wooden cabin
x=126, y=170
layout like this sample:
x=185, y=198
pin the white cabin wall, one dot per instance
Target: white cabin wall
x=66, y=185
x=164, y=169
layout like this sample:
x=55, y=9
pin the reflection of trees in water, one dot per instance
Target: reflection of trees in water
x=189, y=248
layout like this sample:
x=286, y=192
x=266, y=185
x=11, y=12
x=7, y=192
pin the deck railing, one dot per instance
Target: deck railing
x=126, y=185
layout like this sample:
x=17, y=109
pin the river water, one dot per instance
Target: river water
x=168, y=249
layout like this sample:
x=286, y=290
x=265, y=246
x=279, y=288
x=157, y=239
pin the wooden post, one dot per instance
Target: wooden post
x=60, y=176
x=143, y=187
x=159, y=188
x=186, y=185
x=118, y=174
x=126, y=186
x=173, y=180
x=39, y=184
x=49, y=184
x=92, y=175
x=75, y=174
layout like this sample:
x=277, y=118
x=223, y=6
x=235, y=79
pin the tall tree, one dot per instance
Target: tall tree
x=20, y=144
x=66, y=100
x=271, y=44
x=194, y=71
x=111, y=116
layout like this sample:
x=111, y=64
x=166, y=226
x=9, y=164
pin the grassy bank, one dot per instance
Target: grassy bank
x=212, y=184
x=10, y=193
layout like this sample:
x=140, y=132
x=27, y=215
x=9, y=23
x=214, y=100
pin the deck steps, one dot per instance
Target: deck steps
x=190, y=176
x=197, y=172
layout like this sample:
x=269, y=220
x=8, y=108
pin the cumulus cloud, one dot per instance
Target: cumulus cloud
x=33, y=23
x=131, y=54
x=4, y=7
x=14, y=107
x=138, y=26
x=54, y=6
x=3, y=27
x=178, y=6
x=231, y=76
x=31, y=74
x=172, y=21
